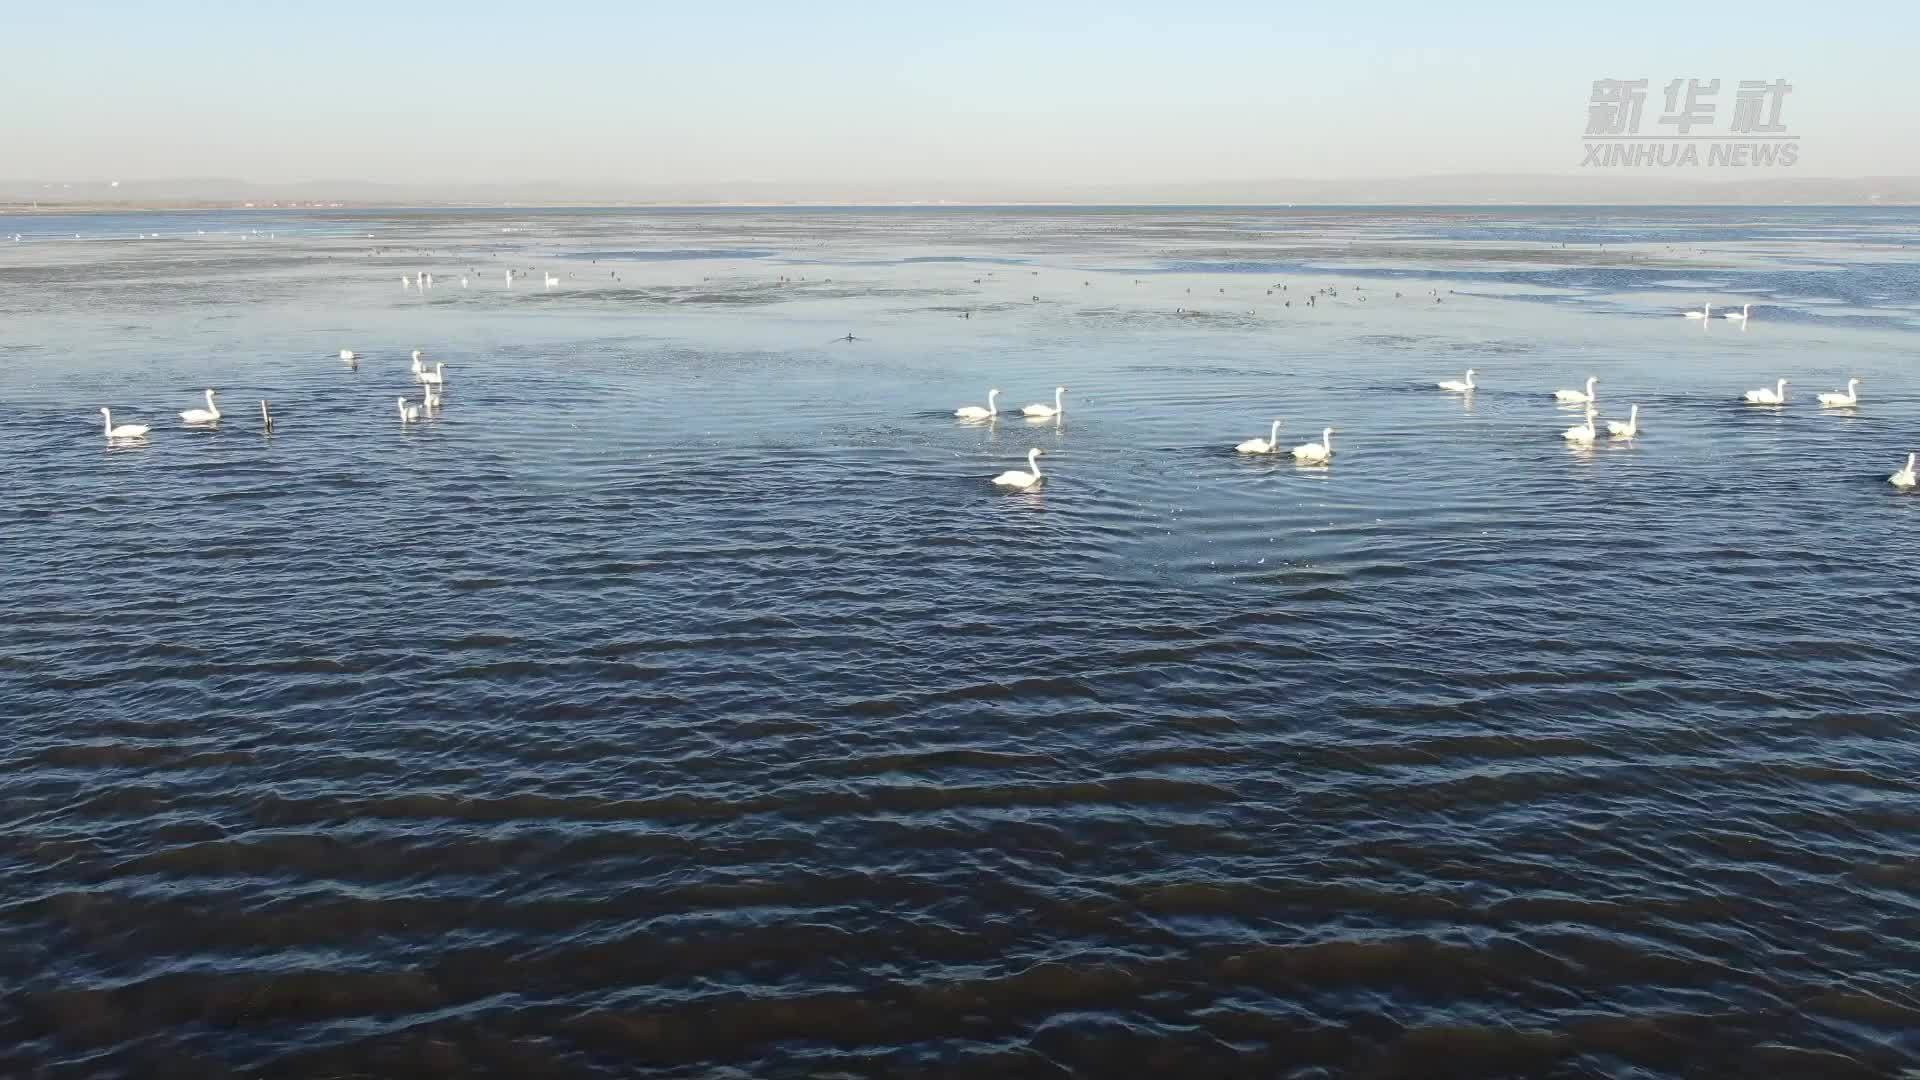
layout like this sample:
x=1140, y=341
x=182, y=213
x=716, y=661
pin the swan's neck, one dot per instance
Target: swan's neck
x=1056, y=398
x=1033, y=462
x=107, y=414
x=1469, y=380
x=1273, y=434
x=991, y=407
x=1326, y=440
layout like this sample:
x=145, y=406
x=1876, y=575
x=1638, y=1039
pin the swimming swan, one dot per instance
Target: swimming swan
x=975, y=412
x=1706, y=314
x=202, y=416
x=349, y=356
x=1764, y=396
x=1738, y=316
x=418, y=367
x=1458, y=387
x=1843, y=401
x=1576, y=397
x=1315, y=452
x=1903, y=478
x=1581, y=434
x=1044, y=411
x=1627, y=430
x=436, y=377
x=124, y=431
x=1261, y=446
x=409, y=412
x=1015, y=478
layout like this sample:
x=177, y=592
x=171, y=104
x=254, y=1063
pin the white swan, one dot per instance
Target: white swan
x=975, y=412
x=202, y=416
x=1738, y=316
x=409, y=412
x=1627, y=430
x=349, y=355
x=1261, y=446
x=1904, y=478
x=124, y=431
x=433, y=399
x=1315, y=452
x=1017, y=479
x=418, y=367
x=1764, y=396
x=1843, y=401
x=1577, y=397
x=1581, y=434
x=1458, y=387
x=1044, y=411
x=436, y=377
x=1705, y=314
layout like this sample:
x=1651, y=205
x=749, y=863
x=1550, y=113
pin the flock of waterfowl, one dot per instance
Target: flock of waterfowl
x=431, y=383
x=1584, y=433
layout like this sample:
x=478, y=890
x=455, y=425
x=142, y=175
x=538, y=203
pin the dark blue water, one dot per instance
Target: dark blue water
x=682, y=700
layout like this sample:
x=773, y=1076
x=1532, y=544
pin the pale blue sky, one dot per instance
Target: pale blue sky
x=968, y=90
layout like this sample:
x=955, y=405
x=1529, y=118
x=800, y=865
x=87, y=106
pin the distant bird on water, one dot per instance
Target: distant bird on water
x=1016, y=478
x=1043, y=411
x=975, y=412
x=1315, y=453
x=202, y=416
x=1576, y=397
x=1843, y=401
x=1904, y=478
x=1261, y=446
x=1627, y=430
x=124, y=431
x=1581, y=434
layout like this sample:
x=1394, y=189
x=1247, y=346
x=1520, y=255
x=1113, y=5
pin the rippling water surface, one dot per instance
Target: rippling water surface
x=683, y=701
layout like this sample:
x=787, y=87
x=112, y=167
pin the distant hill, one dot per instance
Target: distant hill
x=1598, y=187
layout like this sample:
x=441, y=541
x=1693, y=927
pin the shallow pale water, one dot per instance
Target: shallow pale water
x=683, y=698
